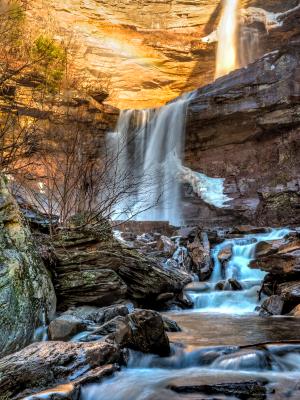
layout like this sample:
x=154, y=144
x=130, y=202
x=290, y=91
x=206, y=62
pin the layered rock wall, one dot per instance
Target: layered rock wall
x=150, y=50
x=246, y=128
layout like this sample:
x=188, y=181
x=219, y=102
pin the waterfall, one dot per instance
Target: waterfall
x=227, y=58
x=148, y=147
x=237, y=268
x=249, y=45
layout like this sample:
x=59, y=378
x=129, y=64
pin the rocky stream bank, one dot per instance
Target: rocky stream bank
x=108, y=285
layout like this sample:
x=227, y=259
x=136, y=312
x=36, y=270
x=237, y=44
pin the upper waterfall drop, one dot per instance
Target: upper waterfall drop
x=227, y=57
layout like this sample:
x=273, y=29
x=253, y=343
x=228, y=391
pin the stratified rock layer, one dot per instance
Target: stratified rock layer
x=98, y=270
x=245, y=128
x=146, y=51
x=43, y=365
x=27, y=296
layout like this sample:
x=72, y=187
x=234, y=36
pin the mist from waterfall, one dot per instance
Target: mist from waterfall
x=227, y=57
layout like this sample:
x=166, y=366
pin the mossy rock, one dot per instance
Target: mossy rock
x=27, y=296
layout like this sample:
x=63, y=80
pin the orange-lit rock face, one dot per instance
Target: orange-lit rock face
x=151, y=50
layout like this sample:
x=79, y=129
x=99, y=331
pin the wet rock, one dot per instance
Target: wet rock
x=45, y=365
x=198, y=287
x=225, y=254
x=249, y=230
x=164, y=297
x=220, y=285
x=142, y=330
x=230, y=284
x=146, y=280
x=128, y=236
x=241, y=390
x=272, y=306
x=187, y=232
x=116, y=324
x=64, y=327
x=280, y=258
x=71, y=391
x=170, y=325
x=97, y=315
x=199, y=250
x=295, y=311
x=266, y=248
x=289, y=292
x=235, y=285
x=166, y=246
x=27, y=296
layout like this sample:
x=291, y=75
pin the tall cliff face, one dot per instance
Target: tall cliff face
x=245, y=127
x=150, y=51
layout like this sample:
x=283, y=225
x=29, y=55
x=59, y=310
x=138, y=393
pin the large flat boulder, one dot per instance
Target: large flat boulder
x=27, y=297
x=89, y=285
x=280, y=257
x=97, y=270
x=48, y=364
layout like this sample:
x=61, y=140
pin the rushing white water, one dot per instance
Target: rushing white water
x=149, y=377
x=149, y=145
x=249, y=45
x=227, y=59
x=239, y=301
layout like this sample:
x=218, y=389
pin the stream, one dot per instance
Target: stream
x=217, y=343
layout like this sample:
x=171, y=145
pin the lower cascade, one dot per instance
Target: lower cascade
x=217, y=295
x=246, y=370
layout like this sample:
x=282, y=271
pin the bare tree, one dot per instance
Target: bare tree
x=79, y=174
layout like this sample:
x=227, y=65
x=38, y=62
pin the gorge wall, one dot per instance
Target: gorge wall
x=243, y=127
x=147, y=52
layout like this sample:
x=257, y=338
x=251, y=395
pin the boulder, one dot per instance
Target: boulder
x=230, y=284
x=72, y=390
x=97, y=270
x=279, y=257
x=220, y=285
x=225, y=254
x=90, y=286
x=272, y=306
x=64, y=327
x=27, y=297
x=295, y=311
x=199, y=250
x=265, y=248
x=166, y=246
x=170, y=325
x=289, y=292
x=146, y=333
x=142, y=330
x=241, y=390
x=47, y=364
x=146, y=279
x=97, y=315
x=235, y=285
